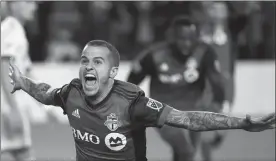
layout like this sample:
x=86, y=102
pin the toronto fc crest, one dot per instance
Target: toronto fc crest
x=112, y=122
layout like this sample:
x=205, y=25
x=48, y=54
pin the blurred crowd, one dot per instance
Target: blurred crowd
x=61, y=29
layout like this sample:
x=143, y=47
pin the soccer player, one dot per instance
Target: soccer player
x=15, y=128
x=179, y=70
x=104, y=112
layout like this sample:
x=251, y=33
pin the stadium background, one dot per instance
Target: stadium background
x=62, y=28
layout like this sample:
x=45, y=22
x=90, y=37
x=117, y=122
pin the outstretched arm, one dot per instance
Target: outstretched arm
x=208, y=121
x=152, y=113
x=42, y=92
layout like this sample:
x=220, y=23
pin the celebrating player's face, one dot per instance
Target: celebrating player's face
x=184, y=37
x=95, y=69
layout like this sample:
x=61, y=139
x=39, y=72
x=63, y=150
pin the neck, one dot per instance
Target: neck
x=99, y=98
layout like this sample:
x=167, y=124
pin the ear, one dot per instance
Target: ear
x=113, y=72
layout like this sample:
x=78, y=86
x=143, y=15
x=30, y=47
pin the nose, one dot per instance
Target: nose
x=89, y=67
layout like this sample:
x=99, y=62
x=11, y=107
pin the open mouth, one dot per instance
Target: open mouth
x=90, y=79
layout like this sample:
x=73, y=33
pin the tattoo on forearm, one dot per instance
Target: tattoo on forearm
x=203, y=121
x=39, y=91
x=178, y=118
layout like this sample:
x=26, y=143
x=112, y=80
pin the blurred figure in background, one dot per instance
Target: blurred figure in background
x=162, y=14
x=269, y=28
x=144, y=34
x=122, y=26
x=99, y=15
x=246, y=23
x=64, y=22
x=15, y=127
x=62, y=48
x=254, y=32
x=131, y=27
x=179, y=69
x=212, y=19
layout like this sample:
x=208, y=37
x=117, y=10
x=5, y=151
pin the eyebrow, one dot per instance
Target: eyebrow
x=84, y=57
x=99, y=58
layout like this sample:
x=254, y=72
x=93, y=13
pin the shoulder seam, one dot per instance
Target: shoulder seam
x=128, y=93
x=121, y=93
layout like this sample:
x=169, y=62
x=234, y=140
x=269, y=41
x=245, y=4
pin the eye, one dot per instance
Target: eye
x=84, y=61
x=98, y=62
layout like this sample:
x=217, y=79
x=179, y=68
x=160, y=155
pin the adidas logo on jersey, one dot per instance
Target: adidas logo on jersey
x=76, y=113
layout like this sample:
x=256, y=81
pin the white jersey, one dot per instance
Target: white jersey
x=14, y=43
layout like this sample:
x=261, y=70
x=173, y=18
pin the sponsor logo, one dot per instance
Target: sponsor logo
x=153, y=104
x=76, y=113
x=115, y=141
x=86, y=136
x=112, y=122
x=190, y=75
x=171, y=79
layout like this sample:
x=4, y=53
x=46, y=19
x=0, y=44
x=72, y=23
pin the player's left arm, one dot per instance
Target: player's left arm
x=151, y=113
x=208, y=121
x=214, y=76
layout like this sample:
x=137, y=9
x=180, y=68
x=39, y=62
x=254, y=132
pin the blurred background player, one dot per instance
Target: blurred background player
x=179, y=69
x=219, y=27
x=15, y=127
x=214, y=31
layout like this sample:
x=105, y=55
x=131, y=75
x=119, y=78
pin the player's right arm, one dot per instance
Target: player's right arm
x=141, y=67
x=40, y=91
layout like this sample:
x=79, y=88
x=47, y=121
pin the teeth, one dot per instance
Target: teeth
x=90, y=75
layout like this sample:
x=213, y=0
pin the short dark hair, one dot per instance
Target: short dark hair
x=180, y=21
x=114, y=52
